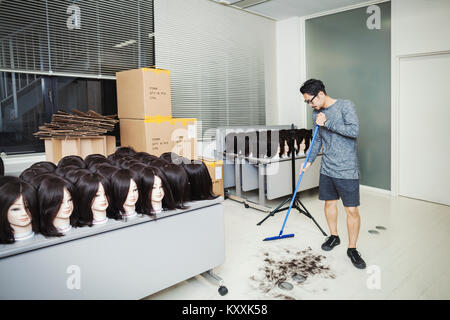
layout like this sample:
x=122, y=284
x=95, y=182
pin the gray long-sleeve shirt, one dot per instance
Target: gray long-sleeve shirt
x=338, y=138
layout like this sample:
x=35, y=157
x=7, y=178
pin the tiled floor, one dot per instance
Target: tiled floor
x=408, y=260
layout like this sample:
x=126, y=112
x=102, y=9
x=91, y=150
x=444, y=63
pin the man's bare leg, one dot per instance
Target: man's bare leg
x=353, y=224
x=331, y=213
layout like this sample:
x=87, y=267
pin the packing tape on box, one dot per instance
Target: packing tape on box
x=160, y=119
x=212, y=164
x=157, y=119
x=157, y=71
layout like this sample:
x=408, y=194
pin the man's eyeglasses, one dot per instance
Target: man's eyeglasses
x=310, y=100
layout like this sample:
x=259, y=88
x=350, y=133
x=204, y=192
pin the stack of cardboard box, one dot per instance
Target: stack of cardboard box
x=215, y=169
x=145, y=113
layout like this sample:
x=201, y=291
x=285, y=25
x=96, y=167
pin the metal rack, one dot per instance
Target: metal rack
x=118, y=260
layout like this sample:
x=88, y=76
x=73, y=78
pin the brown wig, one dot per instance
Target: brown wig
x=50, y=166
x=10, y=191
x=95, y=158
x=29, y=174
x=179, y=183
x=125, y=151
x=86, y=189
x=200, y=181
x=50, y=197
x=119, y=188
x=72, y=160
x=145, y=185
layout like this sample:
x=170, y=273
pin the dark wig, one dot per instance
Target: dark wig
x=125, y=151
x=29, y=174
x=106, y=170
x=119, y=188
x=200, y=181
x=231, y=145
x=128, y=164
x=308, y=138
x=5, y=179
x=158, y=163
x=36, y=181
x=179, y=183
x=86, y=190
x=2, y=167
x=300, y=135
x=73, y=175
x=141, y=156
x=63, y=170
x=272, y=142
x=72, y=160
x=10, y=191
x=95, y=158
x=145, y=185
x=50, y=197
x=173, y=157
x=50, y=166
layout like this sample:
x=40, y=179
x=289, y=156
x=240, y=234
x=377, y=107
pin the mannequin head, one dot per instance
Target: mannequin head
x=125, y=151
x=154, y=195
x=18, y=211
x=5, y=179
x=171, y=157
x=72, y=160
x=105, y=170
x=56, y=206
x=179, y=183
x=231, y=145
x=95, y=158
x=200, y=181
x=73, y=175
x=36, y=181
x=124, y=194
x=283, y=147
x=144, y=157
x=158, y=163
x=29, y=174
x=92, y=199
x=49, y=166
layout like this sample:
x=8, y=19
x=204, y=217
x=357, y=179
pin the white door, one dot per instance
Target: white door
x=424, y=132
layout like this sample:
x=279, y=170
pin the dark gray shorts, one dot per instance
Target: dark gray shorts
x=335, y=188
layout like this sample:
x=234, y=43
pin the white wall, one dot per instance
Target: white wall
x=418, y=27
x=290, y=72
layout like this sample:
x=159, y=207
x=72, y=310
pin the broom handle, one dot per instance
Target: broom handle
x=299, y=179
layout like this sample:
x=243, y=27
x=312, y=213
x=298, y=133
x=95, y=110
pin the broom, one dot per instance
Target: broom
x=281, y=235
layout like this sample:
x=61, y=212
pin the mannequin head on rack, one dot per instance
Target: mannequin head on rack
x=124, y=195
x=200, y=181
x=156, y=194
x=72, y=161
x=56, y=206
x=92, y=197
x=178, y=181
x=18, y=211
x=47, y=165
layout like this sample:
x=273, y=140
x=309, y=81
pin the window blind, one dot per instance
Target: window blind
x=87, y=38
x=216, y=56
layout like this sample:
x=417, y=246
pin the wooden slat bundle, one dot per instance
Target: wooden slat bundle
x=78, y=124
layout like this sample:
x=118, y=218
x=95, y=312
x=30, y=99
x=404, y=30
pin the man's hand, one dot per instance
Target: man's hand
x=306, y=167
x=321, y=118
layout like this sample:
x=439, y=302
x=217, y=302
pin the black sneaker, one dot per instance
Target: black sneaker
x=356, y=259
x=332, y=241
